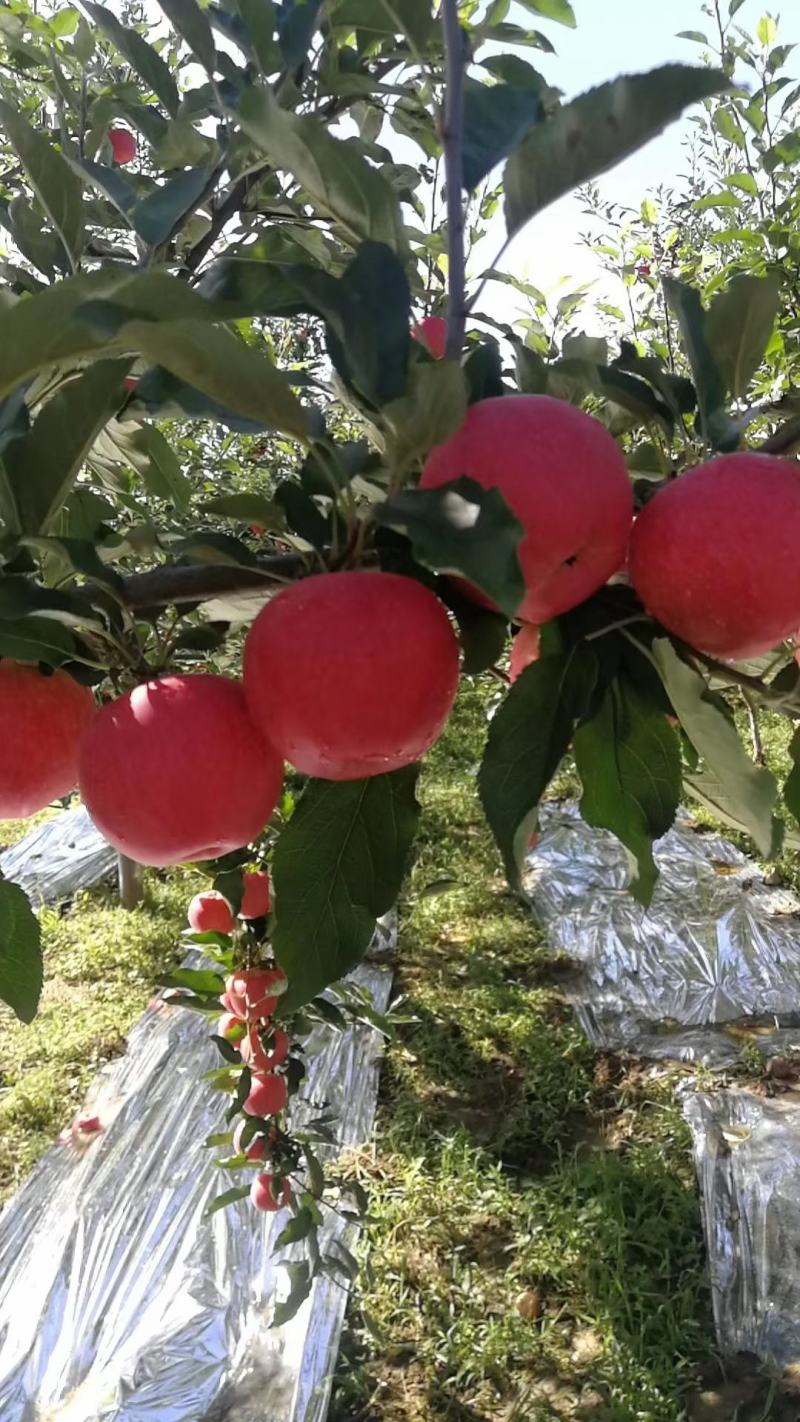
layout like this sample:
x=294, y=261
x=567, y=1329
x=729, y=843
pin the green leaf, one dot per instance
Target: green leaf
x=496, y=119
x=296, y=26
x=36, y=639
x=110, y=182
x=791, y=788
x=597, y=130
x=157, y=215
x=337, y=867
x=246, y=508
x=739, y=324
x=483, y=635
x=298, y=1227
x=200, y=980
x=783, y=154
x=368, y=323
x=429, y=413
x=413, y=18
x=334, y=174
x=43, y=465
x=149, y=454
x=751, y=789
x=192, y=25
x=221, y=366
x=20, y=952
x=316, y=1175
x=709, y=384
x=464, y=529
x=258, y=17
x=629, y=762
x=559, y=10
x=528, y=738
x=696, y=36
x=80, y=554
x=301, y=1282
x=58, y=189
x=140, y=55
x=229, y=1197
x=766, y=31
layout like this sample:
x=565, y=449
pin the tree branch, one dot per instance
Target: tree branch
x=452, y=136
x=199, y=582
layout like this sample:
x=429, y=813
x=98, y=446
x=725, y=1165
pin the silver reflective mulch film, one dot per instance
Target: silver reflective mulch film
x=60, y=856
x=121, y=1300
x=716, y=945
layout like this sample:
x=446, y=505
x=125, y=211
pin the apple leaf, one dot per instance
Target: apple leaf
x=528, y=738
x=338, y=866
x=629, y=762
x=20, y=952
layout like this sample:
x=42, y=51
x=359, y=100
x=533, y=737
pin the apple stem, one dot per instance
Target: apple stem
x=455, y=51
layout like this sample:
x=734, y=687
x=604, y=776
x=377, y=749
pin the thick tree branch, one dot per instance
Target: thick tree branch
x=200, y=582
x=452, y=136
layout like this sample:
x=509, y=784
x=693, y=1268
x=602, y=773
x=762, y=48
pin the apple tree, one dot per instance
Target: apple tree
x=251, y=373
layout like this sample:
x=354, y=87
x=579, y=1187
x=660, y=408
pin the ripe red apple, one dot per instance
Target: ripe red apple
x=563, y=476
x=524, y=649
x=255, y=899
x=210, y=912
x=431, y=332
x=270, y=1193
x=42, y=719
x=714, y=555
x=268, y=1095
x=351, y=674
x=256, y=990
x=174, y=771
x=261, y=1059
x=123, y=145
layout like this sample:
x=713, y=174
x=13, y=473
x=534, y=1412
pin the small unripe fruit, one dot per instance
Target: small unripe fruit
x=268, y=1096
x=42, y=720
x=563, y=476
x=232, y=1028
x=255, y=899
x=174, y=771
x=714, y=555
x=270, y=1193
x=524, y=649
x=123, y=145
x=351, y=674
x=210, y=912
x=431, y=332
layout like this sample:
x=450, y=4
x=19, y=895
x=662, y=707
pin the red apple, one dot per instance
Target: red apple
x=42, y=719
x=270, y=1193
x=210, y=912
x=255, y=899
x=431, y=332
x=262, y=1059
x=123, y=145
x=714, y=555
x=174, y=771
x=268, y=1095
x=524, y=649
x=351, y=674
x=563, y=476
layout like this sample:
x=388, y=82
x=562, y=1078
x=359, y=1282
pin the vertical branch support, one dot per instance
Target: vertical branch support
x=131, y=882
x=455, y=51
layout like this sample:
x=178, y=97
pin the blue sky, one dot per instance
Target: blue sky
x=616, y=37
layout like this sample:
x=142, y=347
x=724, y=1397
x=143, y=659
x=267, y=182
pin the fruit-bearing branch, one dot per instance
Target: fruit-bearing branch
x=452, y=138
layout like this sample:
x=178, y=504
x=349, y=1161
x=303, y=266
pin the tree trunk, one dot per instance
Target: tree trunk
x=131, y=881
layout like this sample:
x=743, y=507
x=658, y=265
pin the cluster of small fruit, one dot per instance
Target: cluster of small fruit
x=248, y=1027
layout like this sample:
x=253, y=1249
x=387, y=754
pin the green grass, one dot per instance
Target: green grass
x=101, y=964
x=510, y=1160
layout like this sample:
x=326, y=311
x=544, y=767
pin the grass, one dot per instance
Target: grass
x=513, y=1170
x=100, y=967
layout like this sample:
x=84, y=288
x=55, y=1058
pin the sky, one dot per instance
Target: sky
x=614, y=37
